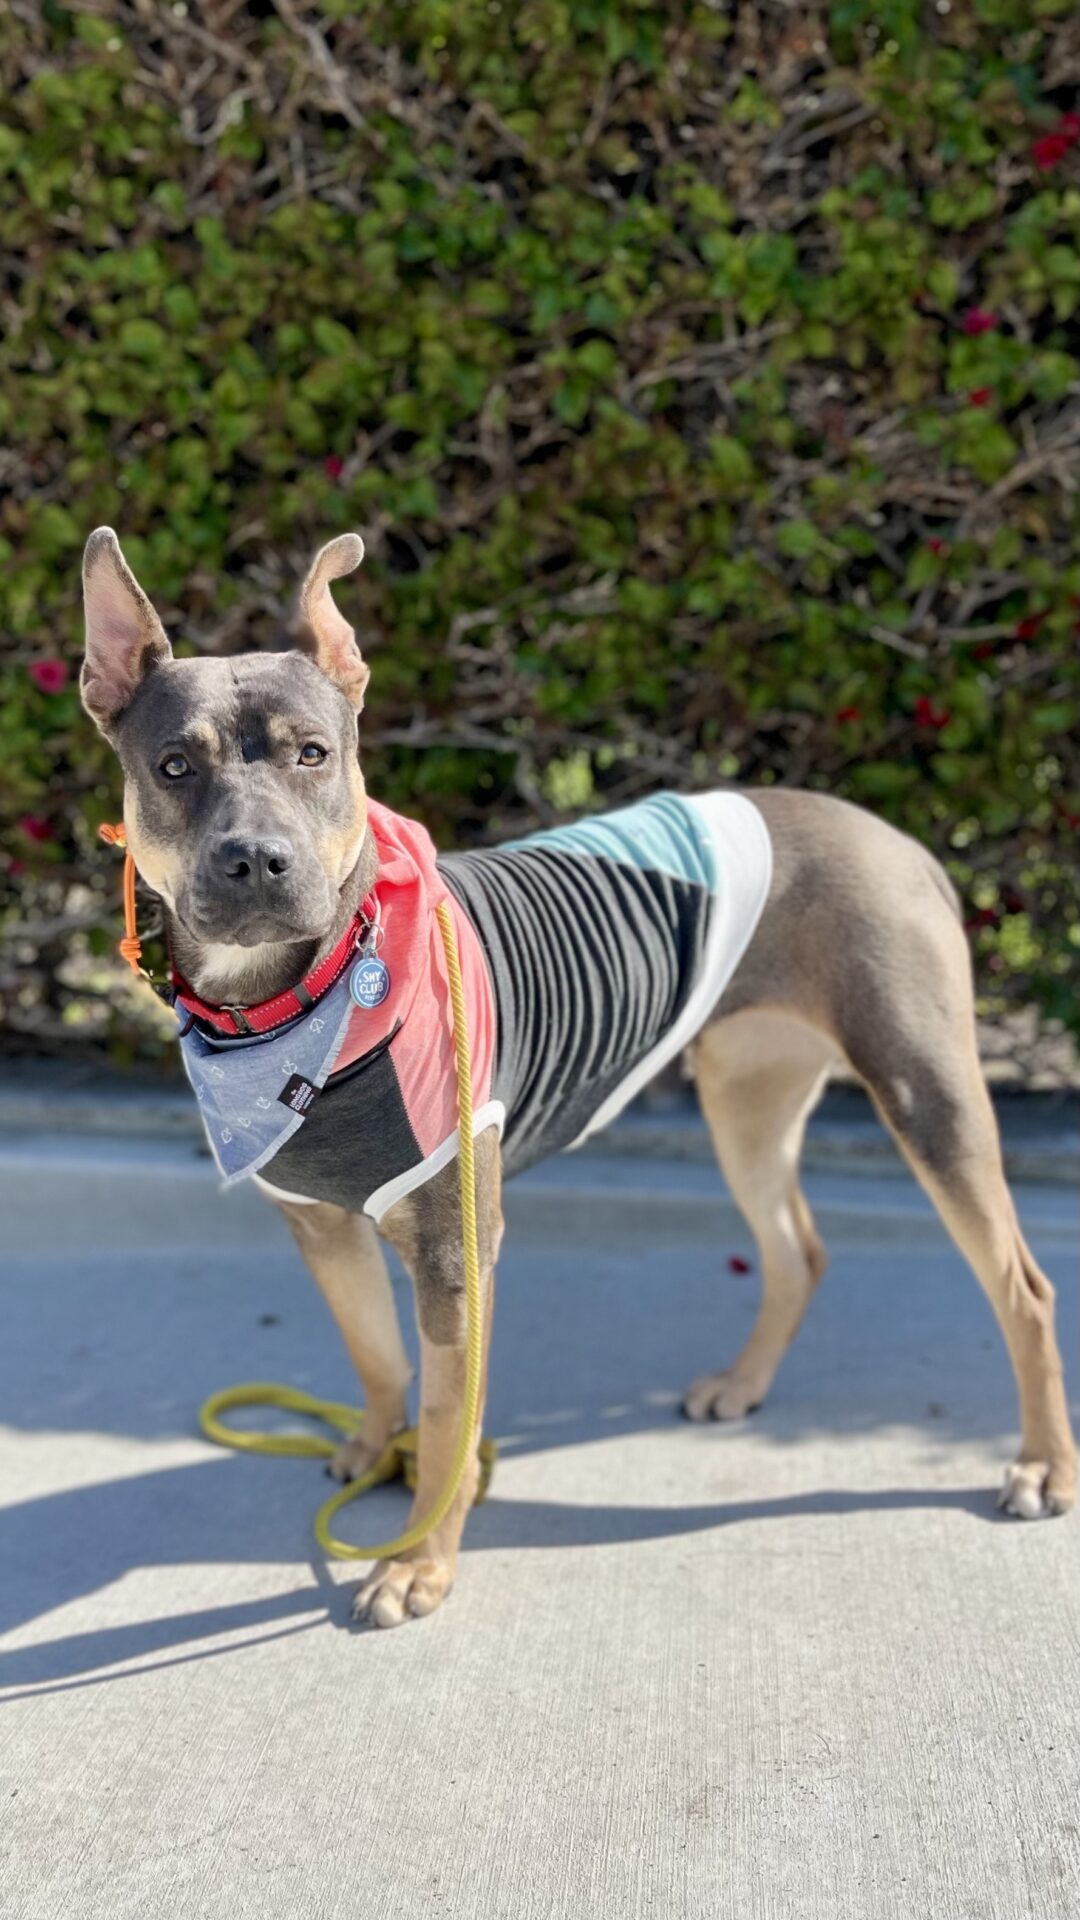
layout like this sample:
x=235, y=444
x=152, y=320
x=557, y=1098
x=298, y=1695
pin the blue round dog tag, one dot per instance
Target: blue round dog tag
x=369, y=981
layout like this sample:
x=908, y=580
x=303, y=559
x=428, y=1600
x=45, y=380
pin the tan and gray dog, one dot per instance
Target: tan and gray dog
x=246, y=813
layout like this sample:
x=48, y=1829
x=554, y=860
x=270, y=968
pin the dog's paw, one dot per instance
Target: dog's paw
x=352, y=1460
x=400, y=1590
x=1033, y=1490
x=723, y=1396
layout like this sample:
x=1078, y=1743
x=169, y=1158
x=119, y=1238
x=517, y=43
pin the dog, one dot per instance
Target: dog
x=293, y=905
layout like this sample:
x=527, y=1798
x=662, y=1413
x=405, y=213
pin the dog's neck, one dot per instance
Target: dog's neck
x=232, y=976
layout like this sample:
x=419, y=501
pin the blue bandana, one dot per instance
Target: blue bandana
x=253, y=1094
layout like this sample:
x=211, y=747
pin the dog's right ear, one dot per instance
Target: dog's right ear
x=124, y=637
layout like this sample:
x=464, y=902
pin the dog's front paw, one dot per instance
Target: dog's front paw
x=723, y=1396
x=399, y=1590
x=1033, y=1490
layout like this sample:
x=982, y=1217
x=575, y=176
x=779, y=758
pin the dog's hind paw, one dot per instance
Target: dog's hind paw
x=723, y=1396
x=400, y=1590
x=1032, y=1490
x=352, y=1460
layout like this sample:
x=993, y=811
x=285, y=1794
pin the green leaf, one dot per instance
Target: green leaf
x=730, y=458
x=796, y=539
x=331, y=337
x=143, y=339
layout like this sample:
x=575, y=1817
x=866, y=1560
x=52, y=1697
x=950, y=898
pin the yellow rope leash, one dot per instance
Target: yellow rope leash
x=400, y=1454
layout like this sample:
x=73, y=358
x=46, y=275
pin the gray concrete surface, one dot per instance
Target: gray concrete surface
x=792, y=1668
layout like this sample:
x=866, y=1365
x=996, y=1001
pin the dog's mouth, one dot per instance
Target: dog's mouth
x=282, y=911
x=259, y=928
x=257, y=933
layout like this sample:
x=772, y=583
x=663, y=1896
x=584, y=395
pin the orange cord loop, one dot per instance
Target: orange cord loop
x=130, y=947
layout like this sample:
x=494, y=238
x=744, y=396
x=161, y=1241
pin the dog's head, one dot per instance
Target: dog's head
x=243, y=798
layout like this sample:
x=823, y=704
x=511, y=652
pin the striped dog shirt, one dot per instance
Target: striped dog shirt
x=590, y=954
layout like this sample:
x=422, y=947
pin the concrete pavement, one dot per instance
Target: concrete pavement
x=796, y=1667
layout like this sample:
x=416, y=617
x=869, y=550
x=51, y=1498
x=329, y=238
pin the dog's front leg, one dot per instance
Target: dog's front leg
x=342, y=1252
x=426, y=1231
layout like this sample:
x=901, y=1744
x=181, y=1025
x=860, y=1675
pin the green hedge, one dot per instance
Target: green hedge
x=705, y=380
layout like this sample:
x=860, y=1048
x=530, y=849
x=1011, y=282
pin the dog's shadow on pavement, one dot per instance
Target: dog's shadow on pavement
x=578, y=1361
x=234, y=1510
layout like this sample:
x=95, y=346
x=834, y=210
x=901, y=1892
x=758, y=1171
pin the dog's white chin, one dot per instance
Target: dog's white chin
x=228, y=971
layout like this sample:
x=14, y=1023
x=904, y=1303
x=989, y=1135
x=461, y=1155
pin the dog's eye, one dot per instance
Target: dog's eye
x=311, y=755
x=175, y=767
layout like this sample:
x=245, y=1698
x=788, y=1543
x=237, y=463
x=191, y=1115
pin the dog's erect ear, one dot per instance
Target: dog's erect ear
x=332, y=645
x=124, y=637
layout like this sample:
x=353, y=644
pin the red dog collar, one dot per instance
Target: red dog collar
x=269, y=1015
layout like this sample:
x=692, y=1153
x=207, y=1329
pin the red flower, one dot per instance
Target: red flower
x=49, y=675
x=936, y=545
x=16, y=868
x=1028, y=627
x=983, y=650
x=977, y=320
x=1049, y=149
x=845, y=715
x=982, y=917
x=927, y=715
x=35, y=828
x=980, y=397
x=737, y=1264
x=1069, y=126
x=333, y=466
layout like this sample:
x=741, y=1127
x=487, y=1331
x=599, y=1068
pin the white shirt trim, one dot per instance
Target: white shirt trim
x=492, y=1114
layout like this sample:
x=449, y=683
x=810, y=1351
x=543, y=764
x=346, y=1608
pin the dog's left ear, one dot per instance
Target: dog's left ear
x=333, y=643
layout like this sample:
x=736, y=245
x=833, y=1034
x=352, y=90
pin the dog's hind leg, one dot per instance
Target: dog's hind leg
x=917, y=1054
x=759, y=1074
x=342, y=1252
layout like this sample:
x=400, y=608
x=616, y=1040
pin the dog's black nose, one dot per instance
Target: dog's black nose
x=253, y=863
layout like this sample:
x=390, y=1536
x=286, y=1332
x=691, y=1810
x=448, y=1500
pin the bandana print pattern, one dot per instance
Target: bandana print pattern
x=240, y=1088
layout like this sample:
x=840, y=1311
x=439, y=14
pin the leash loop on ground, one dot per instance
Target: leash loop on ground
x=399, y=1456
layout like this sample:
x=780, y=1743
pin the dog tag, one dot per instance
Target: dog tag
x=369, y=981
